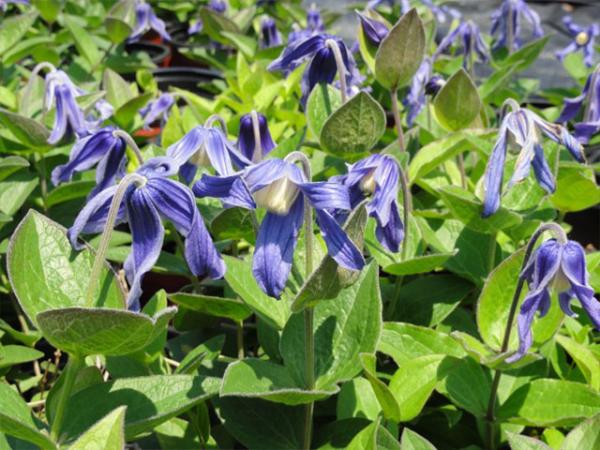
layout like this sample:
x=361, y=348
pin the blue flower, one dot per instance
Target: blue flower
x=583, y=39
x=415, y=100
x=590, y=96
x=208, y=147
x=281, y=188
x=559, y=266
x=377, y=177
x=314, y=25
x=322, y=66
x=146, y=19
x=506, y=21
x=374, y=30
x=522, y=128
x=269, y=34
x=441, y=11
x=472, y=43
x=157, y=108
x=433, y=86
x=247, y=138
x=142, y=208
x=101, y=148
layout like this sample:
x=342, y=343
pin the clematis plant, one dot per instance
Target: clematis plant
x=583, y=40
x=506, y=22
x=269, y=34
x=416, y=99
x=158, y=108
x=4, y=3
x=440, y=12
x=374, y=30
x=146, y=19
x=472, y=43
x=254, y=139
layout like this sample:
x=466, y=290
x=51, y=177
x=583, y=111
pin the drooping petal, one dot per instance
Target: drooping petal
x=585, y=130
x=217, y=152
x=159, y=107
x=293, y=55
x=339, y=245
x=386, y=175
x=542, y=171
x=547, y=264
x=390, y=234
x=188, y=145
x=261, y=175
x=326, y=195
x=109, y=167
x=159, y=26
x=275, y=244
x=374, y=30
x=530, y=305
x=60, y=118
x=494, y=173
x=231, y=190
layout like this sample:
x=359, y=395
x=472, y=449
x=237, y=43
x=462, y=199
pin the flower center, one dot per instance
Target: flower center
x=582, y=38
x=200, y=158
x=368, y=184
x=561, y=283
x=278, y=197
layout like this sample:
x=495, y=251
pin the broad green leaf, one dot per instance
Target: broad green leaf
x=40, y=251
x=374, y=436
x=48, y=9
x=430, y=156
x=467, y=385
x=344, y=327
x=83, y=41
x=239, y=277
x=338, y=434
x=401, y=52
x=584, y=435
x=213, y=306
x=150, y=401
x=69, y=191
x=118, y=91
x=357, y=399
x=14, y=28
x=414, y=441
x=15, y=191
x=322, y=102
x=520, y=442
x=17, y=420
x=404, y=342
x=234, y=224
x=526, y=55
x=120, y=21
x=125, y=114
x=215, y=24
x=387, y=401
x=269, y=381
x=355, y=127
x=107, y=434
x=29, y=338
x=495, y=81
x=576, y=188
x=494, y=304
x=103, y=331
x=467, y=208
x=11, y=164
x=588, y=363
x=419, y=264
x=546, y=402
x=28, y=131
x=208, y=350
x=245, y=44
x=11, y=355
x=458, y=103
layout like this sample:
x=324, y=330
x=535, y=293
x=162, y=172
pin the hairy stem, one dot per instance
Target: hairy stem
x=131, y=143
x=341, y=68
x=70, y=374
x=258, y=151
x=397, y=121
x=407, y=208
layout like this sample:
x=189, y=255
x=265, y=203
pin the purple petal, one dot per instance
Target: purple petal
x=390, y=234
x=326, y=195
x=530, y=305
x=188, y=145
x=339, y=245
x=230, y=190
x=494, y=172
x=542, y=171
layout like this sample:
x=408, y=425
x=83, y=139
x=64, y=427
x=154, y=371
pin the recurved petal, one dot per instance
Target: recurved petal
x=542, y=171
x=326, y=195
x=493, y=174
x=339, y=245
x=231, y=190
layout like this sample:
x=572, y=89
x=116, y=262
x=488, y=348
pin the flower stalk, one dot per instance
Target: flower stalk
x=131, y=143
x=397, y=120
x=70, y=373
x=341, y=68
x=258, y=151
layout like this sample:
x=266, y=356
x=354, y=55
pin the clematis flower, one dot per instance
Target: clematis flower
x=104, y=109
x=440, y=12
x=506, y=21
x=322, y=67
x=101, y=149
x=583, y=40
x=314, y=25
x=374, y=30
x=247, y=137
x=269, y=34
x=219, y=6
x=142, y=208
x=146, y=19
x=522, y=128
x=208, y=147
x=415, y=100
x=590, y=96
x=377, y=176
x=281, y=188
x=4, y=3
x=559, y=266
x=472, y=43
x=157, y=108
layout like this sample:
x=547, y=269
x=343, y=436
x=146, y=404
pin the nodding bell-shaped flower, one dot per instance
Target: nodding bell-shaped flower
x=583, y=40
x=506, y=21
x=281, y=188
x=472, y=43
x=441, y=12
x=4, y=3
x=158, y=108
x=269, y=34
x=374, y=30
x=102, y=149
x=522, y=128
x=154, y=196
x=377, y=177
x=322, y=66
x=560, y=266
x=146, y=19
x=253, y=131
x=415, y=99
x=589, y=100
x=205, y=146
x=314, y=25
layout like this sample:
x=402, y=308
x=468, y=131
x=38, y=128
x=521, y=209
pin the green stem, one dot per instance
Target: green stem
x=43, y=183
x=240, y=339
x=397, y=121
x=407, y=208
x=492, y=251
x=71, y=370
x=461, y=169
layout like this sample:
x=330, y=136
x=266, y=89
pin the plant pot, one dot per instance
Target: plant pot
x=188, y=78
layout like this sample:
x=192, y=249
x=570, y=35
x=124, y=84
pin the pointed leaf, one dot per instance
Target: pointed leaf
x=107, y=434
x=458, y=103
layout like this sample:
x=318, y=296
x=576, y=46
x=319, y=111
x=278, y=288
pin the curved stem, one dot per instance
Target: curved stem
x=70, y=374
x=216, y=118
x=108, y=229
x=131, y=143
x=397, y=121
x=341, y=68
x=561, y=237
x=407, y=208
x=258, y=151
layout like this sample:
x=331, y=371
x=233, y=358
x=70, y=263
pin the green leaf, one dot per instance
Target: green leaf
x=495, y=81
x=14, y=28
x=404, y=342
x=83, y=41
x=239, y=277
x=401, y=52
x=245, y=44
x=126, y=113
x=387, y=401
x=118, y=91
x=215, y=24
x=39, y=250
x=458, y=103
x=576, y=188
x=467, y=385
x=322, y=102
x=11, y=355
x=28, y=131
x=584, y=435
x=355, y=127
x=11, y=164
x=494, y=303
x=120, y=21
x=213, y=306
x=546, y=402
x=329, y=278
x=357, y=399
x=467, y=208
x=269, y=381
x=520, y=442
x=430, y=156
x=69, y=191
x=107, y=434
x=414, y=441
x=344, y=328
x=208, y=350
x=15, y=191
x=29, y=338
x=150, y=401
x=48, y=9
x=102, y=331
x=419, y=264
x=526, y=55
x=17, y=420
x=588, y=363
